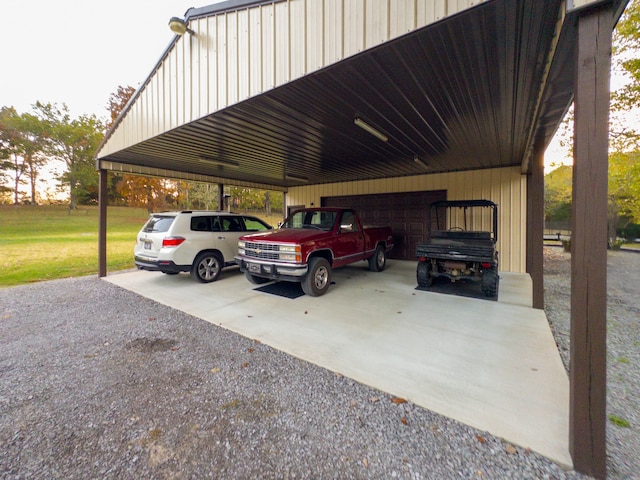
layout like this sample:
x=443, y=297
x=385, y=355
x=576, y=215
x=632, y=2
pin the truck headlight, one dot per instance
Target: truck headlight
x=290, y=253
x=241, y=247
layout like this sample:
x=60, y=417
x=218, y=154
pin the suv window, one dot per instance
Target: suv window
x=231, y=224
x=201, y=224
x=255, y=225
x=158, y=223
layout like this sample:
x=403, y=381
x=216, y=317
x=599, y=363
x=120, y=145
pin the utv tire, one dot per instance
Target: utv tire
x=317, y=280
x=489, y=282
x=207, y=267
x=255, y=280
x=423, y=274
x=378, y=260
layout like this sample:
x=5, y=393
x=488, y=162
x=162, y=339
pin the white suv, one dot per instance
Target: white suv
x=200, y=242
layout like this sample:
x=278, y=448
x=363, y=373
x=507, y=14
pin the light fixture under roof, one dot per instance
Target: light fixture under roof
x=420, y=162
x=296, y=178
x=179, y=26
x=218, y=161
x=373, y=131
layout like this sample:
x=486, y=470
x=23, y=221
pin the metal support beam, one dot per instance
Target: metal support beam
x=588, y=386
x=102, y=223
x=535, y=225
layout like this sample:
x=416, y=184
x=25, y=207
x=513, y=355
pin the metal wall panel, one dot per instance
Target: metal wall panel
x=237, y=54
x=333, y=31
x=254, y=57
x=504, y=186
x=354, y=27
x=268, y=53
x=402, y=18
x=282, y=46
x=377, y=22
x=314, y=35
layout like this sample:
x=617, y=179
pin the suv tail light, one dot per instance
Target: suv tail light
x=168, y=242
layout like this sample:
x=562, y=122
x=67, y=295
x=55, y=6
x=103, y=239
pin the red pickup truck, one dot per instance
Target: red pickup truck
x=309, y=244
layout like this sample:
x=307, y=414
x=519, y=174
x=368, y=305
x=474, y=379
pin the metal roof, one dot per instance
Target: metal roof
x=473, y=91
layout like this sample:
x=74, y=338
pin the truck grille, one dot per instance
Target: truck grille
x=264, y=251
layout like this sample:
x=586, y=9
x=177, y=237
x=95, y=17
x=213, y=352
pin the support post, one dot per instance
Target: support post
x=102, y=223
x=588, y=385
x=535, y=226
x=221, y=196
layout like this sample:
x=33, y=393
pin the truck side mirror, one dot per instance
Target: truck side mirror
x=346, y=228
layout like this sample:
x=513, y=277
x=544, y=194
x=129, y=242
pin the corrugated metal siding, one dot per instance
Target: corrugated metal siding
x=504, y=186
x=240, y=54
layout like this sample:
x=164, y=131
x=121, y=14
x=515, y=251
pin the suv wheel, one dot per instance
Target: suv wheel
x=207, y=266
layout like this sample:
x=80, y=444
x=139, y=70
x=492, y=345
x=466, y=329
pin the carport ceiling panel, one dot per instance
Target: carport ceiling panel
x=460, y=94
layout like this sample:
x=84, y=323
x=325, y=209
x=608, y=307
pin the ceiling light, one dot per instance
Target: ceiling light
x=296, y=178
x=365, y=126
x=218, y=161
x=421, y=162
x=179, y=26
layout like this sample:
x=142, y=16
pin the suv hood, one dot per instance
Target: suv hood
x=288, y=235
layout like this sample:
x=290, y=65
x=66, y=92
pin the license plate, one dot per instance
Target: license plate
x=147, y=245
x=254, y=267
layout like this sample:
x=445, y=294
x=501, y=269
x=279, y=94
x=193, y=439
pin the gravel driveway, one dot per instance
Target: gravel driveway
x=97, y=382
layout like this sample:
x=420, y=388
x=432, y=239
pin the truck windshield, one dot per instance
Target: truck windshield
x=319, y=220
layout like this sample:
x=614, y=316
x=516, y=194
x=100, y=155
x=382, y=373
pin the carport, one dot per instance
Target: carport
x=300, y=95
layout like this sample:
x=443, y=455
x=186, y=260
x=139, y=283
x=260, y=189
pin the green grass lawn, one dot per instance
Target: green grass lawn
x=48, y=242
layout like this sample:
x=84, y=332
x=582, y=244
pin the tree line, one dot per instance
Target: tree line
x=32, y=141
x=624, y=149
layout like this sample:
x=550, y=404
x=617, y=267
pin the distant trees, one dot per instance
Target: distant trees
x=22, y=150
x=626, y=50
x=624, y=157
x=29, y=141
x=74, y=142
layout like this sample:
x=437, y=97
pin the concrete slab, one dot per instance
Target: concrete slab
x=491, y=365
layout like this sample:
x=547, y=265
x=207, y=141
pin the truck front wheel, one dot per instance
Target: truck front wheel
x=378, y=260
x=317, y=280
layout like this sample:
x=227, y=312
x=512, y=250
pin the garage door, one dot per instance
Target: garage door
x=407, y=213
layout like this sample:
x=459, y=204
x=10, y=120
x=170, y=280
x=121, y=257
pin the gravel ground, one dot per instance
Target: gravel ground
x=623, y=347
x=98, y=382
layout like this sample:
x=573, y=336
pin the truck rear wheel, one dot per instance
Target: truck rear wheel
x=317, y=280
x=423, y=274
x=378, y=260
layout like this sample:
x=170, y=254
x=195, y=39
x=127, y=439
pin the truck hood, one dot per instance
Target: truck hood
x=288, y=235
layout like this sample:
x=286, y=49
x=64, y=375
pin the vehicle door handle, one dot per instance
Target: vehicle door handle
x=221, y=238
